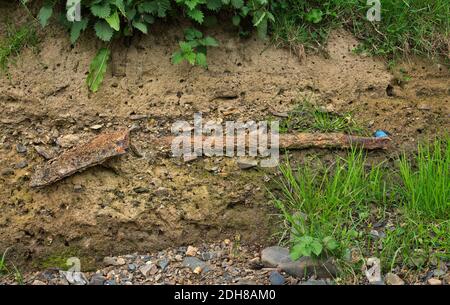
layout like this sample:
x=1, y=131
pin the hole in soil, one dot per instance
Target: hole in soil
x=390, y=90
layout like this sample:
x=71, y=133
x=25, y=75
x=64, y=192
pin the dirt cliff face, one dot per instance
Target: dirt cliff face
x=147, y=202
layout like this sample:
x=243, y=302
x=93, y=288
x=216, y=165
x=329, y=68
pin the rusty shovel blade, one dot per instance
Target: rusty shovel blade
x=99, y=149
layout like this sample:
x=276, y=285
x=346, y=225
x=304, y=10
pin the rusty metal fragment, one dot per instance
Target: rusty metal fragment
x=303, y=140
x=96, y=151
x=331, y=140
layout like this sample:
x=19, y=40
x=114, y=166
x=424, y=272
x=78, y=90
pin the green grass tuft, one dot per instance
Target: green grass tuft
x=341, y=203
x=407, y=27
x=426, y=180
x=307, y=117
x=16, y=39
x=331, y=201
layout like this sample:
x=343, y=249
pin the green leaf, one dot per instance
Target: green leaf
x=258, y=18
x=120, y=6
x=262, y=29
x=314, y=16
x=214, y=5
x=140, y=26
x=149, y=19
x=177, y=58
x=196, y=15
x=97, y=69
x=270, y=16
x=191, y=57
x=201, y=60
x=237, y=3
x=330, y=243
x=163, y=7
x=316, y=247
x=101, y=10
x=236, y=20
x=148, y=7
x=76, y=28
x=44, y=14
x=130, y=14
x=245, y=10
x=191, y=34
x=306, y=246
x=191, y=4
x=296, y=252
x=185, y=47
x=103, y=30
x=208, y=41
x=114, y=21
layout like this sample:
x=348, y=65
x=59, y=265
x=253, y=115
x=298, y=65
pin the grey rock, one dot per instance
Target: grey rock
x=227, y=277
x=438, y=272
x=113, y=261
x=393, y=279
x=434, y=281
x=194, y=262
x=47, y=155
x=74, y=278
x=206, y=256
x=276, y=278
x=182, y=249
x=312, y=282
x=97, y=126
x=68, y=140
x=247, y=163
x=21, y=149
x=274, y=256
x=246, y=282
x=97, y=279
x=373, y=270
x=377, y=234
x=110, y=283
x=120, y=261
x=7, y=171
x=131, y=267
x=109, y=261
x=148, y=269
x=163, y=263
x=308, y=266
x=423, y=106
x=279, y=257
x=136, y=117
x=141, y=190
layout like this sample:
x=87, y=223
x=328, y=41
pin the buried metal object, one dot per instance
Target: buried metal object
x=99, y=149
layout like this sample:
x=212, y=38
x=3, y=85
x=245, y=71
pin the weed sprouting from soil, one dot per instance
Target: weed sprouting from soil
x=16, y=39
x=5, y=271
x=333, y=210
x=331, y=204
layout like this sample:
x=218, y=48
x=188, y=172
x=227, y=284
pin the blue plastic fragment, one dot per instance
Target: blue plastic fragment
x=380, y=134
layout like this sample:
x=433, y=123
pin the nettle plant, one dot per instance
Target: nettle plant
x=111, y=19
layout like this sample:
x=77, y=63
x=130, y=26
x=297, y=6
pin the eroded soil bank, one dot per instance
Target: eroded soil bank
x=154, y=201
